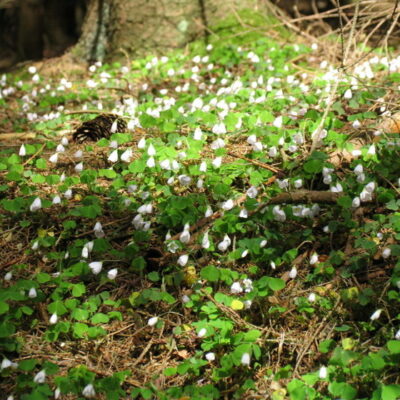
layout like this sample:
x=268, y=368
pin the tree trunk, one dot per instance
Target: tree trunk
x=137, y=27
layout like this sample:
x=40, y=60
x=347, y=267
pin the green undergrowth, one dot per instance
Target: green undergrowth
x=173, y=260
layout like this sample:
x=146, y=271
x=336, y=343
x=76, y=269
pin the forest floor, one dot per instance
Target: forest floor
x=231, y=232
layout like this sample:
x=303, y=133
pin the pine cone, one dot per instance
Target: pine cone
x=102, y=126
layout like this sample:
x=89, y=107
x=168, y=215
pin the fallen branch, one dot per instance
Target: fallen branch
x=305, y=196
x=258, y=163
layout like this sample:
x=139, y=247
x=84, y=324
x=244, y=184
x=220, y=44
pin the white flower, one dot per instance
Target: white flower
x=36, y=205
x=252, y=139
x=88, y=391
x=151, y=151
x=32, y=69
x=397, y=335
x=185, y=298
x=89, y=245
x=365, y=196
x=98, y=230
x=113, y=157
x=183, y=259
x=219, y=128
x=228, y=205
x=185, y=236
x=184, y=180
x=112, y=273
x=323, y=373
x=312, y=297
x=348, y=94
x=314, y=259
x=278, y=122
x=252, y=192
x=279, y=214
x=283, y=184
x=258, y=146
x=217, y=162
x=226, y=242
x=57, y=393
x=78, y=167
x=208, y=212
x=217, y=144
x=386, y=252
x=243, y=213
x=356, y=202
x=247, y=304
x=293, y=273
x=376, y=315
x=68, y=194
x=8, y=276
x=57, y=199
x=273, y=152
x=245, y=360
x=371, y=150
x=236, y=288
x=327, y=179
x=126, y=155
x=298, y=183
x=361, y=178
x=244, y=253
x=210, y=356
x=96, y=266
x=248, y=284
x=358, y=170
x=151, y=163
x=6, y=363
x=202, y=332
x=32, y=293
x=35, y=245
x=53, y=319
x=85, y=252
x=40, y=377
x=152, y=321
x=142, y=143
x=203, y=167
x=198, y=134
x=370, y=187
x=205, y=243
x=22, y=150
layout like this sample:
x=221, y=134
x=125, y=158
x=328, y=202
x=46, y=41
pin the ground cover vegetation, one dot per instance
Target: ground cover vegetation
x=237, y=239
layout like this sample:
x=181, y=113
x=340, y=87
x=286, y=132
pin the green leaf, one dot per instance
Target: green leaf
x=313, y=166
x=345, y=201
x=276, y=284
x=326, y=345
x=100, y=318
x=80, y=330
x=390, y=392
x=252, y=336
x=80, y=314
x=393, y=346
x=57, y=307
x=210, y=273
x=342, y=390
x=170, y=371
x=41, y=163
x=78, y=289
x=4, y=307
x=43, y=277
x=27, y=365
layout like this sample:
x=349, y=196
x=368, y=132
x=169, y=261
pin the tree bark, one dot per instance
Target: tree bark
x=114, y=28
